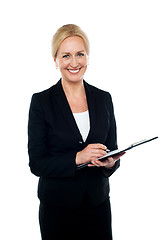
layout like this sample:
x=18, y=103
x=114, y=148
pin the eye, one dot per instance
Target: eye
x=66, y=56
x=80, y=54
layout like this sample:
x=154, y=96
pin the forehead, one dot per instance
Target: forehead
x=72, y=44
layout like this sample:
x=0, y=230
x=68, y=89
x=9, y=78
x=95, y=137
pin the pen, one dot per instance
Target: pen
x=107, y=150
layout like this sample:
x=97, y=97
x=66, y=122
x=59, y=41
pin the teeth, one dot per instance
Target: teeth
x=73, y=71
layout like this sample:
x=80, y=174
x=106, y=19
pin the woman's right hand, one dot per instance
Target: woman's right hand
x=90, y=153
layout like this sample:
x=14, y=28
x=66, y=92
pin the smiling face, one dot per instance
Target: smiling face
x=72, y=59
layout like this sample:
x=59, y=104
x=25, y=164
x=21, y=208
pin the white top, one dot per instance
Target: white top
x=83, y=123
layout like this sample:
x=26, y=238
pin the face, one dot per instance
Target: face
x=72, y=59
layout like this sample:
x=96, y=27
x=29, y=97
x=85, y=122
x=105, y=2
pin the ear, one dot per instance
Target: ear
x=56, y=63
x=87, y=60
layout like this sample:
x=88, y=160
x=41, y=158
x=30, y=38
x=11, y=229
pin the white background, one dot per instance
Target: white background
x=127, y=59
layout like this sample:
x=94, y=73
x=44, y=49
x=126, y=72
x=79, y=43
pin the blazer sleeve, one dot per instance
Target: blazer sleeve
x=43, y=163
x=111, y=141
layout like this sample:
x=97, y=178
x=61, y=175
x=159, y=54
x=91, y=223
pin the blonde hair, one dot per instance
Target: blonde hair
x=64, y=32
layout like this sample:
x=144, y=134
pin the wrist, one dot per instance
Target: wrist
x=78, y=161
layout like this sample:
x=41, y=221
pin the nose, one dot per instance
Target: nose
x=74, y=62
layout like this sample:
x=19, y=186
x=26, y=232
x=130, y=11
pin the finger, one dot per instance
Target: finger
x=109, y=159
x=98, y=146
x=117, y=157
x=91, y=165
x=95, y=156
x=109, y=162
x=98, y=152
x=95, y=163
x=99, y=163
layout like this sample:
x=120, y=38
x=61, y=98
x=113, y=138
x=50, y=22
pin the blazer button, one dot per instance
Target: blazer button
x=80, y=142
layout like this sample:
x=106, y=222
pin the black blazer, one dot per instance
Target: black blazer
x=54, y=140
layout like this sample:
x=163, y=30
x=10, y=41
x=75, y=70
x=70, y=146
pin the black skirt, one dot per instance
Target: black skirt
x=87, y=222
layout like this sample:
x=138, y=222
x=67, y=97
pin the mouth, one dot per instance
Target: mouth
x=74, y=71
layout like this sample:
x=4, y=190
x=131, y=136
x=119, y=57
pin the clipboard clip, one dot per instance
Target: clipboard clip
x=137, y=143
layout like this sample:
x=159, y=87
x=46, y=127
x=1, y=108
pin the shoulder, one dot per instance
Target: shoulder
x=98, y=92
x=44, y=98
x=45, y=94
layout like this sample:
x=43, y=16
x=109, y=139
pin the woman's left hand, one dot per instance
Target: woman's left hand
x=108, y=163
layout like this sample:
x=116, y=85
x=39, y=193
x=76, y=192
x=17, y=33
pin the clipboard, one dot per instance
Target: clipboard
x=117, y=151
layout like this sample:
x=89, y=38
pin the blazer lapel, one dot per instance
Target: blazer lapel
x=91, y=107
x=63, y=104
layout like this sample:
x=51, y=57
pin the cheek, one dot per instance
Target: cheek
x=63, y=64
x=84, y=63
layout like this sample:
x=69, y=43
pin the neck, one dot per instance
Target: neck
x=73, y=88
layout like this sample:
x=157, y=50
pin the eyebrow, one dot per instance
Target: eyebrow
x=69, y=52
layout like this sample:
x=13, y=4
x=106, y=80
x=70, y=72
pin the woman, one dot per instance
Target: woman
x=72, y=123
